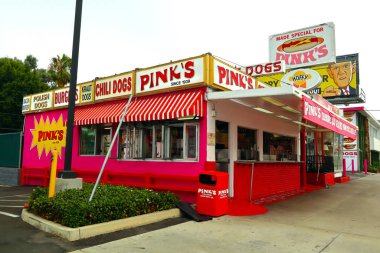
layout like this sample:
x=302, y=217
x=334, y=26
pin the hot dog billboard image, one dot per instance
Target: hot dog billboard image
x=340, y=79
x=305, y=47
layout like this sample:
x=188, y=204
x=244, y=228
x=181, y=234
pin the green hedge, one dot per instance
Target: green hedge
x=111, y=202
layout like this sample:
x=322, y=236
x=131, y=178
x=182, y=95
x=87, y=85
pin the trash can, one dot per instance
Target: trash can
x=212, y=196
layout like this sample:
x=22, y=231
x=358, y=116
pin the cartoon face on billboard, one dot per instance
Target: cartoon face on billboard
x=338, y=80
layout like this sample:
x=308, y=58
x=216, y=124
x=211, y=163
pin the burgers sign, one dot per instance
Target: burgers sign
x=305, y=47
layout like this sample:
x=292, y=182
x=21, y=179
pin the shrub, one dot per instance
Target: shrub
x=111, y=202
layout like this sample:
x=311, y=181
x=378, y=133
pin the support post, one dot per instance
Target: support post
x=344, y=168
x=53, y=173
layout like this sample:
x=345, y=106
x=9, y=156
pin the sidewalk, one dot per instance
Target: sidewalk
x=344, y=218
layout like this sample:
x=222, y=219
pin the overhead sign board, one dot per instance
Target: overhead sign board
x=170, y=76
x=61, y=97
x=113, y=86
x=304, y=47
x=42, y=101
x=265, y=68
x=314, y=112
x=229, y=78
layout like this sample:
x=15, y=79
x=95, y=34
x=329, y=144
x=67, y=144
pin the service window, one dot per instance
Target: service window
x=247, y=144
x=278, y=147
x=95, y=139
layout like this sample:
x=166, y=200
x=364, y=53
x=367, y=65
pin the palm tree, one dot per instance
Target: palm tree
x=59, y=69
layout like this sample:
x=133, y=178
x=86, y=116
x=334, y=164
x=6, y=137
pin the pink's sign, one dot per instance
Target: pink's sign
x=319, y=115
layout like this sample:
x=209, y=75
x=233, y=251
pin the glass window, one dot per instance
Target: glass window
x=278, y=147
x=247, y=144
x=158, y=141
x=95, y=140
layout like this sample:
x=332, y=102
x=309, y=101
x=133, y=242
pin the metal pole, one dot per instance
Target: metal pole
x=67, y=173
x=110, y=148
x=251, y=184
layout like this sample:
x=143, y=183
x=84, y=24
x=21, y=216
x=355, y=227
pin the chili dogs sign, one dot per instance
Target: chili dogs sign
x=308, y=46
x=114, y=86
x=319, y=115
x=169, y=76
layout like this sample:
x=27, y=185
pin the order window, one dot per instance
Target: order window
x=95, y=139
x=159, y=141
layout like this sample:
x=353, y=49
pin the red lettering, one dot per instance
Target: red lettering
x=60, y=135
x=163, y=76
x=234, y=78
x=277, y=66
x=129, y=83
x=40, y=135
x=222, y=73
x=144, y=81
x=308, y=56
x=189, y=66
x=174, y=74
x=114, y=86
x=322, y=51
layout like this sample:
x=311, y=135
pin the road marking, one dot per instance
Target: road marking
x=9, y=214
x=16, y=200
x=10, y=206
x=21, y=195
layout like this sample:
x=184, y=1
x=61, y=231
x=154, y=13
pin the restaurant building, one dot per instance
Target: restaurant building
x=186, y=117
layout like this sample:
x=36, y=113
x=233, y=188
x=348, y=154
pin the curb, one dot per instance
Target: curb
x=74, y=234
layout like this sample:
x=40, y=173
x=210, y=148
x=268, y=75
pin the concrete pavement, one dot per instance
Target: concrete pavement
x=343, y=218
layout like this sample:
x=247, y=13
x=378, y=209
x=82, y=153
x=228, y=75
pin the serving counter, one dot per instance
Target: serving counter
x=254, y=180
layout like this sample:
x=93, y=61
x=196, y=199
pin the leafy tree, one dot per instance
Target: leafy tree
x=31, y=62
x=17, y=79
x=59, y=70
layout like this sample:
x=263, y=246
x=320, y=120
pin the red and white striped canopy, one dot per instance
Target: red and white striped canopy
x=154, y=107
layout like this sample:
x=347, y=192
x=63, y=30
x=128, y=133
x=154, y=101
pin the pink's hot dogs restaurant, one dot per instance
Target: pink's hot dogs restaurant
x=186, y=117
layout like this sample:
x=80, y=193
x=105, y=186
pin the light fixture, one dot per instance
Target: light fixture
x=290, y=109
x=262, y=110
x=283, y=117
x=241, y=102
x=272, y=101
x=188, y=117
x=303, y=124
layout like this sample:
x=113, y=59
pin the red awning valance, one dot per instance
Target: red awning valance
x=154, y=107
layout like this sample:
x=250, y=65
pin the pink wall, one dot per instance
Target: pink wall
x=31, y=158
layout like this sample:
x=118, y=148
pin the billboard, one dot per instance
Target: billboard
x=337, y=80
x=304, y=47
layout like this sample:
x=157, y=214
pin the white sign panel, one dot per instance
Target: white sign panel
x=61, y=97
x=305, y=47
x=304, y=79
x=266, y=68
x=86, y=93
x=115, y=86
x=42, y=101
x=230, y=78
x=350, y=146
x=26, y=104
x=168, y=76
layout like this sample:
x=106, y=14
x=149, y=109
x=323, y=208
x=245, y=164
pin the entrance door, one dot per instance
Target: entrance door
x=221, y=146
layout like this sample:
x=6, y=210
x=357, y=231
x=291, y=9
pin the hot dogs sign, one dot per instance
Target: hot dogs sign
x=305, y=47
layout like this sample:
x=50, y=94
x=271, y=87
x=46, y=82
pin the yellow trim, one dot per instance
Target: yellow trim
x=114, y=76
x=133, y=88
x=185, y=87
x=170, y=63
x=211, y=70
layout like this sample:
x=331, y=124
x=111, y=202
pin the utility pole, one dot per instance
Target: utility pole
x=67, y=172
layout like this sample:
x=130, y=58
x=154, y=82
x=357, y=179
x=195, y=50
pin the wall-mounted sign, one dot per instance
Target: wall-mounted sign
x=87, y=93
x=25, y=104
x=42, y=101
x=304, y=79
x=265, y=68
x=230, y=78
x=114, y=86
x=48, y=136
x=319, y=115
x=305, y=47
x=61, y=97
x=169, y=76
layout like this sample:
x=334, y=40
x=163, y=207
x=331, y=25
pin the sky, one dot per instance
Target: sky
x=122, y=35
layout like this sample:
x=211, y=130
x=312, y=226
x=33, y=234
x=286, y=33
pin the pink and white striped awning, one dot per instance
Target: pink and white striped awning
x=164, y=106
